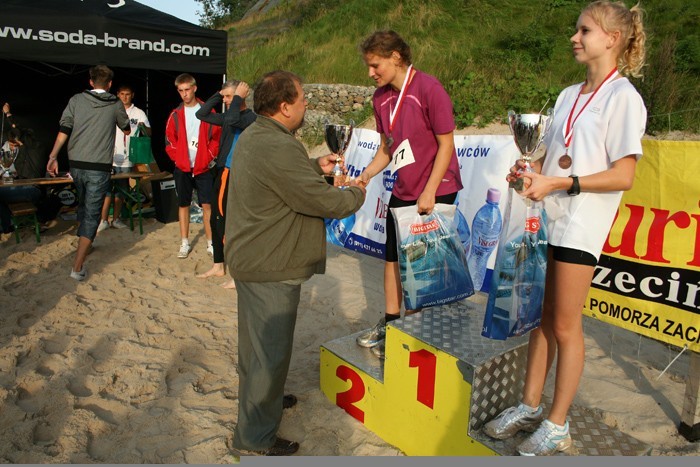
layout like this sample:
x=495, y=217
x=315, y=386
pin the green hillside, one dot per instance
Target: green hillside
x=490, y=55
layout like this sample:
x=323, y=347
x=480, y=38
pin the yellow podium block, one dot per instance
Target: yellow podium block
x=426, y=414
x=440, y=382
x=419, y=399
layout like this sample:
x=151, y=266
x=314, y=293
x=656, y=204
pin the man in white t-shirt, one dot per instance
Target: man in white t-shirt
x=192, y=145
x=121, y=163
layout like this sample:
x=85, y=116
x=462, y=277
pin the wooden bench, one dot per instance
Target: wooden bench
x=24, y=215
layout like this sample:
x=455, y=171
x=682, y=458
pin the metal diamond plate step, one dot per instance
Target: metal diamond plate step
x=346, y=348
x=591, y=437
x=456, y=329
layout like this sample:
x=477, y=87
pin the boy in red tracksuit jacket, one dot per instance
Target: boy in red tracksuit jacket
x=192, y=145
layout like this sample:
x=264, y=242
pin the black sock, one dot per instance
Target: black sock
x=388, y=318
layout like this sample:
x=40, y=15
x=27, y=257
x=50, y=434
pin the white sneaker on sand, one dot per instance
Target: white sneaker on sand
x=210, y=249
x=118, y=224
x=80, y=275
x=104, y=225
x=184, y=250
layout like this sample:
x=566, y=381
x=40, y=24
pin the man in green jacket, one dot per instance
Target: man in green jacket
x=275, y=240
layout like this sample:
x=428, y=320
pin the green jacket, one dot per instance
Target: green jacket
x=277, y=200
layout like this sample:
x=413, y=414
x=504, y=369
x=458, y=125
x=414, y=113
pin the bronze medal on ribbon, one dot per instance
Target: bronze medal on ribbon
x=565, y=161
x=389, y=141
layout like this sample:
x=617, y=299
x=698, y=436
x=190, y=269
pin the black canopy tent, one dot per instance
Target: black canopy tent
x=47, y=47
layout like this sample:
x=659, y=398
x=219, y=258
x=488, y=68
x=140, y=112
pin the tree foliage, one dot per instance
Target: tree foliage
x=491, y=56
x=217, y=13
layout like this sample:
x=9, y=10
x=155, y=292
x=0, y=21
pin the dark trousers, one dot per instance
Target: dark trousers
x=218, y=213
x=267, y=313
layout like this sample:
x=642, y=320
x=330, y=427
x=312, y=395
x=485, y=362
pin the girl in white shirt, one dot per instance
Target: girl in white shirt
x=592, y=151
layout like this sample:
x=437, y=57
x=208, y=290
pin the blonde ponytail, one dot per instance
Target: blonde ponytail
x=614, y=16
x=633, y=56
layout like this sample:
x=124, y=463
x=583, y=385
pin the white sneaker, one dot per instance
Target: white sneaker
x=118, y=224
x=547, y=440
x=379, y=350
x=210, y=249
x=512, y=420
x=184, y=250
x=373, y=336
x=104, y=225
x=80, y=275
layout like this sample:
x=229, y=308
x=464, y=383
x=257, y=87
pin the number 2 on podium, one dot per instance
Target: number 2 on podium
x=355, y=393
x=423, y=360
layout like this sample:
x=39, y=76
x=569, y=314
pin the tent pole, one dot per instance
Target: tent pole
x=147, y=95
x=223, y=80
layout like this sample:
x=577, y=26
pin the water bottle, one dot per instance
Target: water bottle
x=463, y=230
x=341, y=228
x=530, y=270
x=486, y=229
x=196, y=213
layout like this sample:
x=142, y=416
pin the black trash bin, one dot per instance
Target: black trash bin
x=165, y=199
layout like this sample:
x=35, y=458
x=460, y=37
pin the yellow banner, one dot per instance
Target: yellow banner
x=648, y=277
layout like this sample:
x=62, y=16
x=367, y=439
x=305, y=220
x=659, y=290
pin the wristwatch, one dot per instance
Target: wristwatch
x=575, y=187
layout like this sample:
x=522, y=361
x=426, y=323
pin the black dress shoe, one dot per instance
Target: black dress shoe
x=289, y=401
x=282, y=447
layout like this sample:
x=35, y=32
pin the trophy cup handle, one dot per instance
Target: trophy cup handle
x=351, y=128
x=546, y=122
x=550, y=118
x=511, y=121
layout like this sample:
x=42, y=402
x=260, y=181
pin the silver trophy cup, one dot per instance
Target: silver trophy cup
x=528, y=131
x=338, y=138
x=7, y=158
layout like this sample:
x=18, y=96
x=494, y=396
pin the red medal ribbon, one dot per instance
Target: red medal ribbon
x=393, y=114
x=569, y=129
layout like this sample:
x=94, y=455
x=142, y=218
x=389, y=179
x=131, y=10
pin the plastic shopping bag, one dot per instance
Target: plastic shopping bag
x=432, y=259
x=516, y=294
x=140, y=148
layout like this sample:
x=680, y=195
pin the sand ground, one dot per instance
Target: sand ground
x=138, y=363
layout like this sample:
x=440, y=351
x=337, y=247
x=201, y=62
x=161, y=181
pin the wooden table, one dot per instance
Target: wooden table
x=131, y=194
x=37, y=181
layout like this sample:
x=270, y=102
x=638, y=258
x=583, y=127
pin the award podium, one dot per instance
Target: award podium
x=441, y=381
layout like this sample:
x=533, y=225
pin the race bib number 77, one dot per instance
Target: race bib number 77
x=402, y=157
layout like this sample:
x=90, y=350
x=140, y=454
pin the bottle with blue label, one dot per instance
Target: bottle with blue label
x=530, y=271
x=338, y=230
x=486, y=228
x=196, y=213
